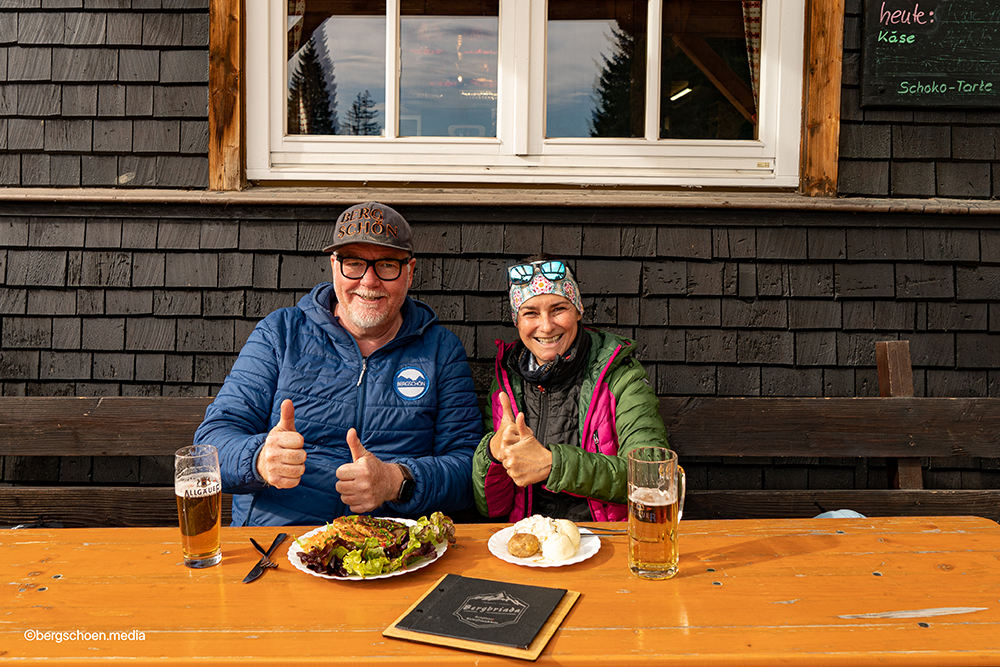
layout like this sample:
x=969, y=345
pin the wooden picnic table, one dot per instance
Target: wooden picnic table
x=887, y=591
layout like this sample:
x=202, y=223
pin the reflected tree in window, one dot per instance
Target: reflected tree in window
x=618, y=96
x=361, y=119
x=312, y=107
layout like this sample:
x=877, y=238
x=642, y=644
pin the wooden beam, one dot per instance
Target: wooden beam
x=110, y=426
x=85, y=506
x=718, y=72
x=895, y=373
x=824, y=54
x=895, y=379
x=832, y=427
x=777, y=503
x=225, y=101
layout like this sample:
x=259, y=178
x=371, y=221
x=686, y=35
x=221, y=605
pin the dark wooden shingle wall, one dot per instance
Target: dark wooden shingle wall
x=104, y=93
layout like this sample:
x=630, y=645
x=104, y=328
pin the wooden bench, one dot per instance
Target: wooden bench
x=896, y=426
x=707, y=432
x=96, y=427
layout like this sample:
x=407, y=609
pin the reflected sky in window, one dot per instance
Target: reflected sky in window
x=574, y=65
x=436, y=65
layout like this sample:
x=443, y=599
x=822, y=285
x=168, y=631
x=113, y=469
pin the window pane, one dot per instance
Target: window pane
x=706, y=86
x=448, y=68
x=596, y=69
x=336, y=81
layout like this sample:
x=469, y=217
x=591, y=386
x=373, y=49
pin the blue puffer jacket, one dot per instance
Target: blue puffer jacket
x=412, y=402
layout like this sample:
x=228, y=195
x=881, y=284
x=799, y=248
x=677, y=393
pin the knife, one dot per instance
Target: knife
x=261, y=565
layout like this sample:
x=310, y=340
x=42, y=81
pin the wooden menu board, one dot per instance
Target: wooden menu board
x=933, y=53
x=503, y=618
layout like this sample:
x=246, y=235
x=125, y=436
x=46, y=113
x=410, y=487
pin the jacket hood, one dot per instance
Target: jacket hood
x=319, y=303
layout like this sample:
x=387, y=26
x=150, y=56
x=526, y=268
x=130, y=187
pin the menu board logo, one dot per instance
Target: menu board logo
x=491, y=610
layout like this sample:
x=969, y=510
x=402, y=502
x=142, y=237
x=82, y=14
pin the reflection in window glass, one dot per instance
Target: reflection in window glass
x=595, y=69
x=707, y=91
x=448, y=70
x=336, y=68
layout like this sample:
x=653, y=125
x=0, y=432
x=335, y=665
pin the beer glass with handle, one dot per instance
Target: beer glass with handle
x=656, y=487
x=198, y=489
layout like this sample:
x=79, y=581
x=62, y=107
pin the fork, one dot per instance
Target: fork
x=609, y=531
x=268, y=563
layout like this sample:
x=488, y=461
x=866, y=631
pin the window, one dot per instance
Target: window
x=696, y=93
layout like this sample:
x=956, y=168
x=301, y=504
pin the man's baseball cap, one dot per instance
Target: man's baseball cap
x=372, y=223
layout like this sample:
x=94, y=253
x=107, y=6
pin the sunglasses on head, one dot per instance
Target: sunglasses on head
x=521, y=274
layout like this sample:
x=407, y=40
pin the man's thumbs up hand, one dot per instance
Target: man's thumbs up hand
x=367, y=482
x=282, y=460
x=358, y=450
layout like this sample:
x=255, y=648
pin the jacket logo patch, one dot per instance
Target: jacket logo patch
x=411, y=383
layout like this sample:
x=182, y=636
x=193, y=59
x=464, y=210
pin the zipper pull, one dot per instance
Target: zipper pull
x=364, y=367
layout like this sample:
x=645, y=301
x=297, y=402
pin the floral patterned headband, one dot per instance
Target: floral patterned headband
x=542, y=277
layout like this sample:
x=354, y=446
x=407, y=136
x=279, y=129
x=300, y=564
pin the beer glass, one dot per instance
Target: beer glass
x=656, y=486
x=198, y=489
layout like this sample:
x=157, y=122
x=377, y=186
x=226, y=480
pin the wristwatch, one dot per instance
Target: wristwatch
x=407, y=487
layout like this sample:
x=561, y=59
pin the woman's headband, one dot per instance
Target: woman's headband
x=542, y=277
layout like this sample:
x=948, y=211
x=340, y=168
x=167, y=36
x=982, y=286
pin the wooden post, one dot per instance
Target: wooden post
x=225, y=99
x=895, y=378
x=821, y=98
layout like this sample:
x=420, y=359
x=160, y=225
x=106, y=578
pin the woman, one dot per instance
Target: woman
x=568, y=404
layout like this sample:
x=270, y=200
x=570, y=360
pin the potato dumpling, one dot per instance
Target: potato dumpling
x=523, y=545
x=569, y=529
x=557, y=546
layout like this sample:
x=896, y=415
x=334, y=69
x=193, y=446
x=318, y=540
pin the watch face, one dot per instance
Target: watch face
x=406, y=490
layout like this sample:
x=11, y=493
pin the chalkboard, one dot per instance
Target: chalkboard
x=935, y=53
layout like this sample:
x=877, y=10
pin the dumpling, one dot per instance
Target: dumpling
x=523, y=545
x=569, y=529
x=557, y=546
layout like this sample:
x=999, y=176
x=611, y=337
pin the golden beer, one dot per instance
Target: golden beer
x=656, y=487
x=652, y=528
x=199, y=511
x=198, y=490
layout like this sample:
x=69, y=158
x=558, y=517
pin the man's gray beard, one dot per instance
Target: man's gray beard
x=363, y=318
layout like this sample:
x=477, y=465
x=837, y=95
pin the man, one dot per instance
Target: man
x=354, y=401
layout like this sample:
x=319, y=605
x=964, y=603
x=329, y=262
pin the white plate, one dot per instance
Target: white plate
x=498, y=547
x=294, y=550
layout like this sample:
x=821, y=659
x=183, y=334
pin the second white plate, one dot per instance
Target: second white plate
x=498, y=547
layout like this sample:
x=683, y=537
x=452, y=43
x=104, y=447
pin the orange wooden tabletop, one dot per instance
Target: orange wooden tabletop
x=887, y=591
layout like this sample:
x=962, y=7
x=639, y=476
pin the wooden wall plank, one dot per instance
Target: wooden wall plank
x=225, y=107
x=832, y=427
x=821, y=98
x=110, y=426
x=735, y=504
x=86, y=506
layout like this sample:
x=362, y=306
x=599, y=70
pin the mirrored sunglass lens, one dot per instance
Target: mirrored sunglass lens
x=553, y=270
x=521, y=273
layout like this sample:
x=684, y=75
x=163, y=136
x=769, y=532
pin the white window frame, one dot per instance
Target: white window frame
x=520, y=154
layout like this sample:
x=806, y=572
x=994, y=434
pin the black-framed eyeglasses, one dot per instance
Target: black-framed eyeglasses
x=386, y=268
x=521, y=274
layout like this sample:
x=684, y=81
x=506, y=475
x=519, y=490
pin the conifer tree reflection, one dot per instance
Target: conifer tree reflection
x=312, y=106
x=619, y=94
x=362, y=115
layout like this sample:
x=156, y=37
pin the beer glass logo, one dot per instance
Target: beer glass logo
x=491, y=610
x=203, y=487
x=411, y=383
